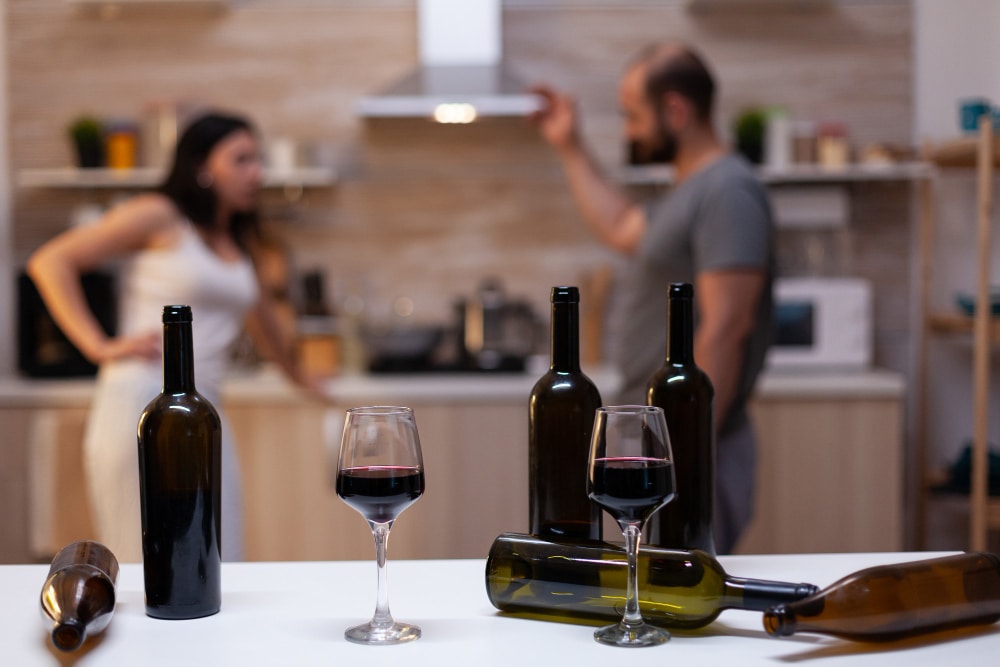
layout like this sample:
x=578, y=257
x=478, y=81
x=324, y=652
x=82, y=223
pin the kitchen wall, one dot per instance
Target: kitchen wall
x=426, y=211
x=422, y=210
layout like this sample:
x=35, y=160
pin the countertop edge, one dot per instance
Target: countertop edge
x=267, y=385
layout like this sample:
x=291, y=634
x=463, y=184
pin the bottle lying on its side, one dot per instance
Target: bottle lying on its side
x=586, y=580
x=889, y=602
x=78, y=596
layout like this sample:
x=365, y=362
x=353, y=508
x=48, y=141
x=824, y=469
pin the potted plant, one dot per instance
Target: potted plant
x=749, y=129
x=88, y=141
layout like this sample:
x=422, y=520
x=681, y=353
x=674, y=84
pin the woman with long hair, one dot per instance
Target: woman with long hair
x=193, y=241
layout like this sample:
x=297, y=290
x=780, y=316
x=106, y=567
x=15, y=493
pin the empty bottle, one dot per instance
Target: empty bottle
x=586, y=580
x=78, y=597
x=894, y=601
x=561, y=414
x=180, y=485
x=686, y=396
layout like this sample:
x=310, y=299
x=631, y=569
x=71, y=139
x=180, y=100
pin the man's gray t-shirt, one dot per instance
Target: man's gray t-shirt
x=719, y=218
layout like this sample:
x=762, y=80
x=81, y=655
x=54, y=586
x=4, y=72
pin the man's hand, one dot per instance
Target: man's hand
x=557, y=120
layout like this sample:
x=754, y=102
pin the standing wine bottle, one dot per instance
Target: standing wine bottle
x=586, y=580
x=893, y=601
x=180, y=465
x=78, y=597
x=685, y=394
x=560, y=422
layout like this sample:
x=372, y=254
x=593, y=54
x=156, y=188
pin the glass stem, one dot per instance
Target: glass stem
x=632, y=617
x=382, y=617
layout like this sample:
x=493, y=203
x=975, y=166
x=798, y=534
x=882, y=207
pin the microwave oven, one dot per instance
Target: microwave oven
x=822, y=323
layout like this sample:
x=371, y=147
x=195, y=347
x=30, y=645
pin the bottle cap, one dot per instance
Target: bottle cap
x=680, y=291
x=176, y=314
x=565, y=295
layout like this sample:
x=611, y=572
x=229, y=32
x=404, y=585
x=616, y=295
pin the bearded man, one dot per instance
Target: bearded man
x=713, y=228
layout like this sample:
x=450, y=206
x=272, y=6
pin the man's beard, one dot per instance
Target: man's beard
x=661, y=149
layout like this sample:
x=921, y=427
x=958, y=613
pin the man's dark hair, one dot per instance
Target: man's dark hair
x=680, y=70
x=196, y=201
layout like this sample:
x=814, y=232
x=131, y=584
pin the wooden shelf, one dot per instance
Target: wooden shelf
x=146, y=177
x=115, y=8
x=960, y=502
x=960, y=152
x=958, y=323
x=982, y=328
x=799, y=174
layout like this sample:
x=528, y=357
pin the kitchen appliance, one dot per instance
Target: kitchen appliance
x=497, y=333
x=461, y=75
x=43, y=350
x=822, y=323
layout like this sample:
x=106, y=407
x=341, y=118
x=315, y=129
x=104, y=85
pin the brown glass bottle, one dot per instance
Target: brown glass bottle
x=563, y=581
x=560, y=422
x=78, y=597
x=895, y=601
x=686, y=396
x=180, y=465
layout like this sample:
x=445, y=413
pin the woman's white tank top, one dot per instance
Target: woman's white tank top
x=220, y=293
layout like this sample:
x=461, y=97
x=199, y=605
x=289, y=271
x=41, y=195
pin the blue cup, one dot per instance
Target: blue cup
x=970, y=111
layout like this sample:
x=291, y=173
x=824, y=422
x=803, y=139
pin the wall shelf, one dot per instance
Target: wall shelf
x=957, y=323
x=146, y=177
x=113, y=8
x=799, y=174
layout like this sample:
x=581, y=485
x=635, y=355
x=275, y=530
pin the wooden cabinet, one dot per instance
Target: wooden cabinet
x=476, y=462
x=829, y=473
x=829, y=469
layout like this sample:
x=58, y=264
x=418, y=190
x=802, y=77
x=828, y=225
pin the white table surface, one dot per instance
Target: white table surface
x=294, y=614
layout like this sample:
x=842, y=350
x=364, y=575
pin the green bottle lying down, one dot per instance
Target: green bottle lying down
x=579, y=581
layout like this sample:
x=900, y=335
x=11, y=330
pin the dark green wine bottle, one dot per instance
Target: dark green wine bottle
x=889, y=602
x=567, y=581
x=78, y=596
x=686, y=395
x=560, y=421
x=180, y=482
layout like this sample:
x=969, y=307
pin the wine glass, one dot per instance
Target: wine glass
x=630, y=474
x=380, y=473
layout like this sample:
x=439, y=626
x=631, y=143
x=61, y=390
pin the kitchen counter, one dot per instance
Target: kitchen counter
x=473, y=428
x=295, y=614
x=266, y=384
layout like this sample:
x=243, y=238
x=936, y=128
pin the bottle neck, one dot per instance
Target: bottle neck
x=565, y=341
x=178, y=357
x=760, y=594
x=680, y=331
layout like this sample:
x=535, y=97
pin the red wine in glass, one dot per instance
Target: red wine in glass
x=631, y=488
x=380, y=493
x=630, y=473
x=380, y=472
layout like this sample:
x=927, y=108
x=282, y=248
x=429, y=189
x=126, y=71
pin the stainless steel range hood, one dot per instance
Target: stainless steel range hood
x=461, y=75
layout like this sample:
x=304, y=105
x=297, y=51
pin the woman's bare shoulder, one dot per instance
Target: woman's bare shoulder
x=151, y=216
x=151, y=207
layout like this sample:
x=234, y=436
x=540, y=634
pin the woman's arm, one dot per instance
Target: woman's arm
x=273, y=337
x=56, y=267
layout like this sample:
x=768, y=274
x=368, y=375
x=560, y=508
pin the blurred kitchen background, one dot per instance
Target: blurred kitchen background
x=400, y=220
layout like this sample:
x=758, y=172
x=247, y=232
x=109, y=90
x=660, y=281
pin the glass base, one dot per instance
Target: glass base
x=620, y=634
x=397, y=633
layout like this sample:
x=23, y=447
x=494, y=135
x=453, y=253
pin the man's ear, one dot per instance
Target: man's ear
x=676, y=111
